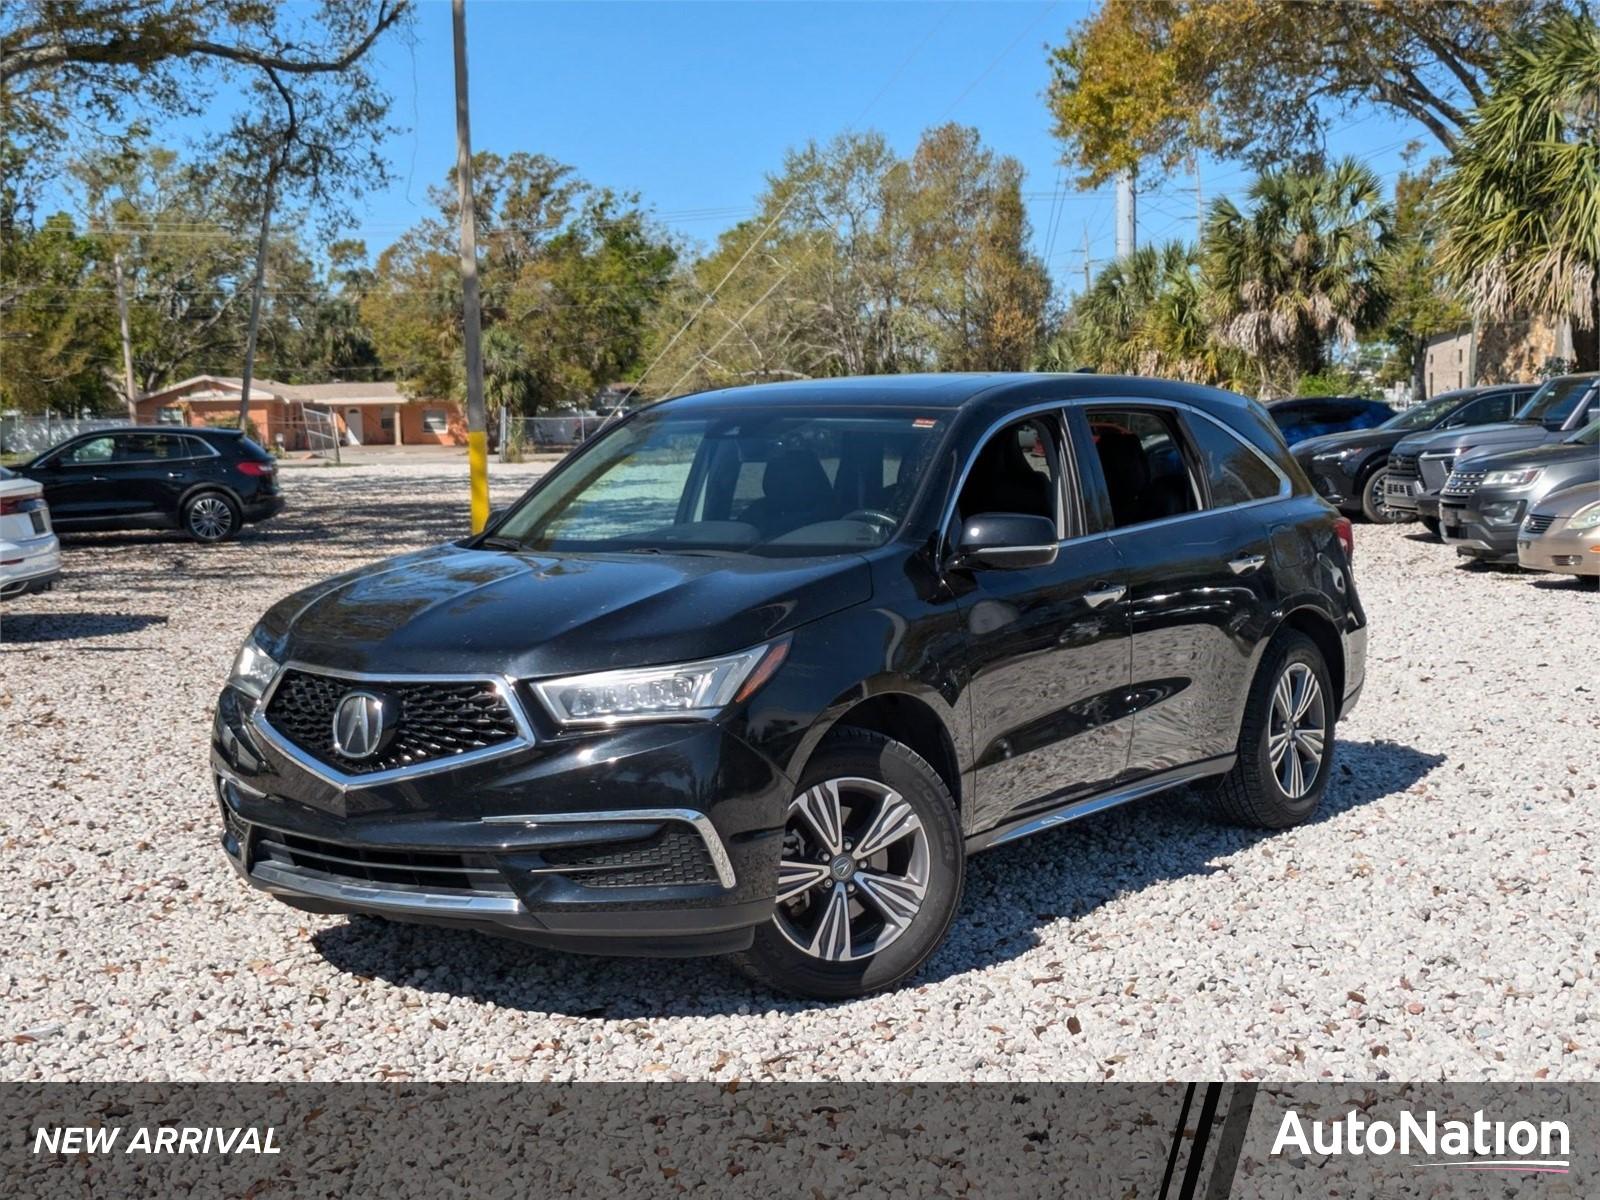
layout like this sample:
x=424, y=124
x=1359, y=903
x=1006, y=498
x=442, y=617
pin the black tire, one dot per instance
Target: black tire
x=210, y=517
x=1372, y=506
x=779, y=963
x=1253, y=793
x=1431, y=524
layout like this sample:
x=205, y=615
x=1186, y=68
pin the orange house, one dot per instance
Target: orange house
x=366, y=414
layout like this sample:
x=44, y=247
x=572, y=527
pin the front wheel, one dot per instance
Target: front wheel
x=1286, y=743
x=871, y=872
x=1374, y=506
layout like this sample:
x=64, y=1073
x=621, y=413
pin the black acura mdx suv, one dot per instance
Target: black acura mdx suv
x=754, y=671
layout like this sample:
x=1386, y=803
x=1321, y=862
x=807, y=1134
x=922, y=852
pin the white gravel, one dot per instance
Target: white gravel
x=1435, y=922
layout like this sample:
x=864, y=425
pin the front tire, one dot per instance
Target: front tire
x=872, y=871
x=1286, y=744
x=1373, y=506
x=211, y=517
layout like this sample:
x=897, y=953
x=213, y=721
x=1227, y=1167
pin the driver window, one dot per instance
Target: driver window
x=1017, y=471
x=95, y=450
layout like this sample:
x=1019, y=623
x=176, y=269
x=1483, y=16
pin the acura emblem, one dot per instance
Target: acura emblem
x=362, y=724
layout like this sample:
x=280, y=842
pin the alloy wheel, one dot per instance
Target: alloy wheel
x=210, y=518
x=854, y=871
x=1377, y=494
x=1297, y=731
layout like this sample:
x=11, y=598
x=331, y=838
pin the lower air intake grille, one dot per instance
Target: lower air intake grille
x=433, y=870
x=675, y=855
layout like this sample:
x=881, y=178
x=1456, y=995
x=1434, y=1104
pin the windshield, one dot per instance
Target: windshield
x=1553, y=403
x=785, y=481
x=1424, y=416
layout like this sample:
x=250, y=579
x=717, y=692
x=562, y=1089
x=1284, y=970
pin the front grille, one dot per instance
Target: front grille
x=437, y=719
x=675, y=855
x=430, y=869
x=1538, y=523
x=1462, y=483
x=1404, y=466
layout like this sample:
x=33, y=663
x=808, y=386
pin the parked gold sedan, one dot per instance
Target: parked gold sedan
x=1562, y=532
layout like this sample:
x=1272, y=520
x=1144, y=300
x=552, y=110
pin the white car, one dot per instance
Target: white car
x=30, y=555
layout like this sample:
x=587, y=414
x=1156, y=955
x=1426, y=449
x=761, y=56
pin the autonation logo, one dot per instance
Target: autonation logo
x=1481, y=1144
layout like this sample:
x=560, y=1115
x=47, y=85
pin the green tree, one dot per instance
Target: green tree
x=56, y=343
x=571, y=275
x=1143, y=83
x=1422, y=299
x=1299, y=268
x=1521, y=200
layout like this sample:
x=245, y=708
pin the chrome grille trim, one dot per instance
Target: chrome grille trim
x=701, y=823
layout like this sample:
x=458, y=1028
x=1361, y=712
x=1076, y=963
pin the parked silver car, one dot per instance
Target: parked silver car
x=1562, y=532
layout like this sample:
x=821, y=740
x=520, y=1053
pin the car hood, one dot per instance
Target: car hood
x=1353, y=439
x=461, y=611
x=1528, y=456
x=1503, y=433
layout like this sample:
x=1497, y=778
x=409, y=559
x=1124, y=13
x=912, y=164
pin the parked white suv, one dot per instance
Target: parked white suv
x=30, y=556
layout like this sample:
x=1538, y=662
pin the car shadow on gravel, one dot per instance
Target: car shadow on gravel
x=35, y=628
x=1012, y=893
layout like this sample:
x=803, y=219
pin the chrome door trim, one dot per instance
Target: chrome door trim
x=689, y=816
x=502, y=684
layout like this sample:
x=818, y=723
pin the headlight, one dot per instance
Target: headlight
x=1512, y=478
x=253, y=669
x=1585, y=518
x=1343, y=455
x=692, y=691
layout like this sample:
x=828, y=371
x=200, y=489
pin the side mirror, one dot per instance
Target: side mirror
x=1006, y=542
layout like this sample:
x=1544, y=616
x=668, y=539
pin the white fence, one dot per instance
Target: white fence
x=30, y=435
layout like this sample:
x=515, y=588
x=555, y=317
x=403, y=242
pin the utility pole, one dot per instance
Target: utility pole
x=1199, y=205
x=127, y=344
x=477, y=422
x=1127, y=214
x=1087, y=278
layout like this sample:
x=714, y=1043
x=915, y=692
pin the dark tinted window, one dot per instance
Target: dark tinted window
x=1141, y=457
x=1556, y=401
x=142, y=447
x=1487, y=409
x=1017, y=471
x=1235, y=472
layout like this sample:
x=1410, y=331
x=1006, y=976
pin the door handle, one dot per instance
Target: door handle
x=1104, y=594
x=1246, y=563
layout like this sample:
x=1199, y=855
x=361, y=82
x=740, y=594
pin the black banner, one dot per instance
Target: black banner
x=815, y=1142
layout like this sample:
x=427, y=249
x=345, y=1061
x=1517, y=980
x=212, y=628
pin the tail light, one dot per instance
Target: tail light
x=19, y=504
x=250, y=467
x=1345, y=532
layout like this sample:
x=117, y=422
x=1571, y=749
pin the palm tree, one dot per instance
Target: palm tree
x=1299, y=268
x=1521, y=202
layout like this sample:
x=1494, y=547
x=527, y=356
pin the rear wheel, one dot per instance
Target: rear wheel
x=1373, y=504
x=871, y=872
x=1286, y=744
x=210, y=517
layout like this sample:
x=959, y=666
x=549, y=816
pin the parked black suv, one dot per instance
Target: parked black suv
x=1349, y=469
x=206, y=482
x=755, y=670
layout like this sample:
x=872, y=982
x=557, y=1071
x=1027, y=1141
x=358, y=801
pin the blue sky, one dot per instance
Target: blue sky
x=692, y=104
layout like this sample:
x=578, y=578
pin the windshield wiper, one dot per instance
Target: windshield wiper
x=496, y=542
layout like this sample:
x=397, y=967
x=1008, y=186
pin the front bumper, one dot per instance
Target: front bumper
x=1561, y=550
x=1464, y=526
x=648, y=840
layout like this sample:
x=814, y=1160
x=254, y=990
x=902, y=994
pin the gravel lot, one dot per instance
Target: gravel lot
x=1435, y=921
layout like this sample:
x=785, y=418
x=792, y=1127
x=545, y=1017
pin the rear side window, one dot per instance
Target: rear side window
x=1235, y=473
x=1142, y=459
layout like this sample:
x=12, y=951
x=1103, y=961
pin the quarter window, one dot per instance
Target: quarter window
x=1141, y=457
x=1236, y=473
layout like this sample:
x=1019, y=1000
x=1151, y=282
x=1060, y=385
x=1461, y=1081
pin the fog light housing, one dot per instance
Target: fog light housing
x=1503, y=512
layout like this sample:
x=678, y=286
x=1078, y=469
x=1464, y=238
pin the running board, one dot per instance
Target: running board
x=1067, y=813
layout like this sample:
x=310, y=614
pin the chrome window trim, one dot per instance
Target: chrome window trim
x=504, y=685
x=690, y=816
x=187, y=439
x=1285, y=485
